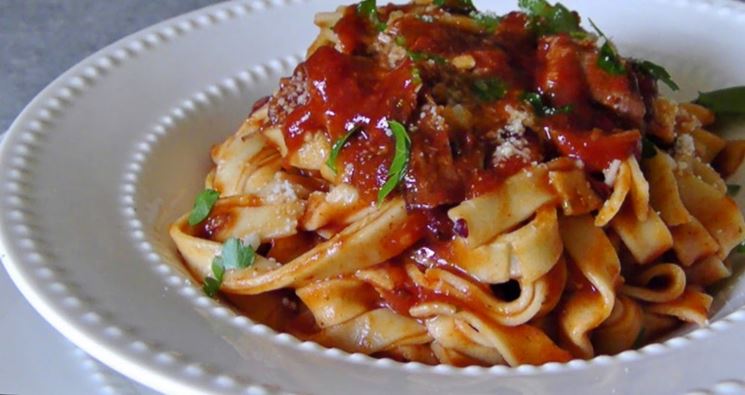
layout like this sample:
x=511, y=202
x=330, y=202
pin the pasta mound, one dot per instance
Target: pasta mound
x=443, y=185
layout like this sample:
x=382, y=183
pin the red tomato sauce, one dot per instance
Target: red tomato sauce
x=457, y=87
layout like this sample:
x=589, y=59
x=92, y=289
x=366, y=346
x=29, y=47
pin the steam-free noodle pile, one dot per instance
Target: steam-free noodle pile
x=442, y=185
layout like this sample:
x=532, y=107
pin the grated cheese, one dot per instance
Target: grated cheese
x=278, y=191
x=684, y=146
x=511, y=142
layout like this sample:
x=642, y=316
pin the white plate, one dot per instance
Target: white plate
x=105, y=157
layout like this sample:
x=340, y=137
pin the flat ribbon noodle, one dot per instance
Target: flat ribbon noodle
x=526, y=254
x=374, y=331
x=518, y=345
x=621, y=330
x=670, y=275
x=595, y=257
x=238, y=158
x=514, y=201
x=692, y=306
x=707, y=272
x=337, y=300
x=716, y=211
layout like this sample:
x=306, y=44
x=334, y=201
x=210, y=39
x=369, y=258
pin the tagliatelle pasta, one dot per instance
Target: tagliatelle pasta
x=443, y=185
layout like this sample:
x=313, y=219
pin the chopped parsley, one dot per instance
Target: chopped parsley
x=657, y=72
x=234, y=255
x=541, y=108
x=608, y=59
x=547, y=19
x=400, y=163
x=729, y=101
x=212, y=284
x=464, y=4
x=369, y=8
x=733, y=189
x=486, y=21
x=417, y=56
x=649, y=150
x=416, y=76
x=338, y=145
x=203, y=206
x=489, y=89
x=425, y=56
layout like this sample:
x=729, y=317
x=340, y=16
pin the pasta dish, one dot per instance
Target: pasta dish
x=438, y=184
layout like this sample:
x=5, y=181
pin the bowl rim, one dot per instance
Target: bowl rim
x=13, y=258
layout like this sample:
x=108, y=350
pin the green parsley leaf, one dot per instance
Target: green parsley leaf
x=338, y=145
x=416, y=76
x=211, y=286
x=740, y=249
x=218, y=269
x=416, y=56
x=658, y=72
x=421, y=56
x=733, y=189
x=608, y=58
x=400, y=163
x=464, y=4
x=649, y=150
x=369, y=8
x=489, y=89
x=236, y=255
x=547, y=19
x=542, y=109
x=202, y=206
x=729, y=101
x=486, y=21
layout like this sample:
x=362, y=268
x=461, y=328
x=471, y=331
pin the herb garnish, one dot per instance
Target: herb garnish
x=420, y=56
x=541, y=108
x=212, y=284
x=202, y=206
x=465, y=4
x=649, y=150
x=489, y=89
x=733, y=189
x=416, y=76
x=608, y=58
x=338, y=145
x=235, y=255
x=729, y=101
x=657, y=72
x=397, y=170
x=417, y=56
x=486, y=21
x=547, y=19
x=369, y=8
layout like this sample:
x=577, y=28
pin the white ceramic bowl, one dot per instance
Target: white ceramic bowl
x=100, y=162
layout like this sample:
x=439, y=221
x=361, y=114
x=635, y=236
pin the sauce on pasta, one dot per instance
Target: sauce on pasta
x=443, y=185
